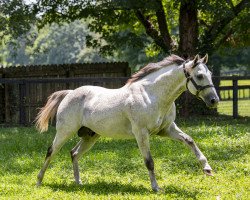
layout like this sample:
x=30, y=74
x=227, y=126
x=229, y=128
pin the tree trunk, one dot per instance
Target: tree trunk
x=188, y=47
x=188, y=28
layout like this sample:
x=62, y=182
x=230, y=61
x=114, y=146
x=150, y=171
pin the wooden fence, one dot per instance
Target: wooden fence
x=234, y=92
x=20, y=97
x=24, y=89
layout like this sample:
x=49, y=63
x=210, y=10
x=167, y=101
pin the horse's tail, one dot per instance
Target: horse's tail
x=49, y=110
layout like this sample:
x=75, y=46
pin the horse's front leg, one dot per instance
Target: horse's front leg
x=175, y=133
x=142, y=138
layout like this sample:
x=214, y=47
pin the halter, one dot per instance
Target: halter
x=198, y=88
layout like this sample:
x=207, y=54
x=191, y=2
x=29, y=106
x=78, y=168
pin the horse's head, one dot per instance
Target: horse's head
x=199, y=81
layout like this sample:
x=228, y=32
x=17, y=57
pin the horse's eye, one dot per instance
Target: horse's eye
x=200, y=76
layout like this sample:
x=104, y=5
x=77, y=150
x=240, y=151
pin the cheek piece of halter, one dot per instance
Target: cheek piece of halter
x=198, y=88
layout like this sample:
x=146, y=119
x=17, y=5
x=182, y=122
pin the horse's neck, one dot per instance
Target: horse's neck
x=167, y=84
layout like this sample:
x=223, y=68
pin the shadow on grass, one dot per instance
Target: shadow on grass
x=228, y=153
x=179, y=192
x=100, y=187
x=105, y=188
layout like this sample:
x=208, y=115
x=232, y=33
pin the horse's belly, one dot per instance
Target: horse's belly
x=113, y=127
x=112, y=132
x=116, y=135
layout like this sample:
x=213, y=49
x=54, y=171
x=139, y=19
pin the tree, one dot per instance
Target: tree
x=52, y=44
x=184, y=27
x=16, y=18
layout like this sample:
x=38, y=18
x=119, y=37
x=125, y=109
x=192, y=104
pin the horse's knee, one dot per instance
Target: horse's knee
x=187, y=139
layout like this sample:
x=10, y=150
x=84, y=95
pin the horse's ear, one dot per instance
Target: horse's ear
x=195, y=60
x=204, y=59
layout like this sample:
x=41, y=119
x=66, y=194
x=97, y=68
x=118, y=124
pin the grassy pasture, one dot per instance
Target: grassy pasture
x=114, y=169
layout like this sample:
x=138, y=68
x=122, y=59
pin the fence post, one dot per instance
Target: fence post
x=22, y=99
x=235, y=98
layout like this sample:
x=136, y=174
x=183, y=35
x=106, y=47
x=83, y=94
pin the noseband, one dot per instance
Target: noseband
x=198, y=88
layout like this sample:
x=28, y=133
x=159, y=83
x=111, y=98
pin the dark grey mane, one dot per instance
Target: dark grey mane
x=151, y=67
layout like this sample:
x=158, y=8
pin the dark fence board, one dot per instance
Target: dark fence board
x=24, y=89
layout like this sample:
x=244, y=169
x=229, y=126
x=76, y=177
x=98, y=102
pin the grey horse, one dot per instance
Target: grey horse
x=142, y=107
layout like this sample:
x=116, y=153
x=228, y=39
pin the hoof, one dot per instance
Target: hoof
x=157, y=189
x=208, y=172
x=79, y=182
x=38, y=184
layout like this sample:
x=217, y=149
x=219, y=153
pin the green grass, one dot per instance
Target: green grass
x=114, y=169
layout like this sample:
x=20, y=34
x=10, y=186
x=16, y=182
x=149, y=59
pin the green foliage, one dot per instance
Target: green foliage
x=231, y=58
x=114, y=169
x=137, y=31
x=54, y=44
x=141, y=31
x=16, y=17
x=110, y=17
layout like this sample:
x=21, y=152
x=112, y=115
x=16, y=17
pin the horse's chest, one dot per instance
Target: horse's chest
x=157, y=124
x=157, y=121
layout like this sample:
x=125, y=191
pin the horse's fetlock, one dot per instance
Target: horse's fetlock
x=207, y=166
x=203, y=159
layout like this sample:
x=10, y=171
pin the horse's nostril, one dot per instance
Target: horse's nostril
x=213, y=101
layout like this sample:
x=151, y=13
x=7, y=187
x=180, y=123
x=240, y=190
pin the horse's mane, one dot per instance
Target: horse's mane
x=151, y=67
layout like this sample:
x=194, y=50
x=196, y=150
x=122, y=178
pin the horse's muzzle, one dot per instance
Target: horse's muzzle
x=212, y=102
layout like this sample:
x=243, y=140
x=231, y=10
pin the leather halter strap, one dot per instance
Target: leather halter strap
x=198, y=88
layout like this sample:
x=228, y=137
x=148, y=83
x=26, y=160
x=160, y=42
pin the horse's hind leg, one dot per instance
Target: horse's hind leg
x=58, y=142
x=88, y=139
